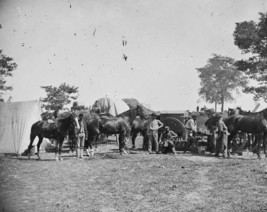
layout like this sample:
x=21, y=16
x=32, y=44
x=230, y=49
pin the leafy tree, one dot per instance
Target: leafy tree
x=251, y=38
x=219, y=79
x=7, y=66
x=58, y=97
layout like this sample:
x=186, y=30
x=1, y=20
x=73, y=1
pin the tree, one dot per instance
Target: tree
x=251, y=38
x=7, y=66
x=58, y=97
x=219, y=79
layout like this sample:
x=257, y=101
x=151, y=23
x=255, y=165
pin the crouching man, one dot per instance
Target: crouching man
x=167, y=143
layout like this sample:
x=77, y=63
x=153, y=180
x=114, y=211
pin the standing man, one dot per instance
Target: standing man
x=82, y=136
x=190, y=130
x=222, y=138
x=191, y=126
x=212, y=137
x=154, y=125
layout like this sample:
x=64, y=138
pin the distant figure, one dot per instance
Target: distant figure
x=96, y=107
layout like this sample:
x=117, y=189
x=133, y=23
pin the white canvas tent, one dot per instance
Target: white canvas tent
x=16, y=119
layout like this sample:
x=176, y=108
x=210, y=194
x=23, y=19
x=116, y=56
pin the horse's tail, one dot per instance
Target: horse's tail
x=34, y=129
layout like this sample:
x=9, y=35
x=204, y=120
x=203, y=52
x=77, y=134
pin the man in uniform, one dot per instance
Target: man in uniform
x=167, y=144
x=222, y=138
x=153, y=127
x=190, y=130
x=82, y=136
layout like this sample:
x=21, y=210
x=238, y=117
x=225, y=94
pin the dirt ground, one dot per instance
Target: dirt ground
x=135, y=182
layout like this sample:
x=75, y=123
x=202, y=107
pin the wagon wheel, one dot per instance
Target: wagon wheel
x=176, y=126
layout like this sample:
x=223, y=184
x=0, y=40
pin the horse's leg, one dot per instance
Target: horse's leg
x=254, y=143
x=122, y=144
x=56, y=149
x=229, y=146
x=259, y=138
x=32, y=137
x=134, y=135
x=145, y=141
x=96, y=141
x=264, y=144
x=38, y=146
x=117, y=138
x=74, y=144
x=60, y=148
x=90, y=145
x=70, y=141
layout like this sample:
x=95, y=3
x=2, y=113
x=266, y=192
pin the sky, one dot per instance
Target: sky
x=143, y=49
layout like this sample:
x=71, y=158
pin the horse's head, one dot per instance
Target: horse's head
x=140, y=111
x=69, y=121
x=239, y=111
x=231, y=111
x=211, y=123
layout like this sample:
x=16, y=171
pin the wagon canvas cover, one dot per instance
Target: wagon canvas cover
x=112, y=107
x=16, y=119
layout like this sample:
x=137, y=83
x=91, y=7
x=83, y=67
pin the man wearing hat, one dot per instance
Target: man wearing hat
x=222, y=138
x=167, y=144
x=154, y=125
x=190, y=128
x=191, y=125
x=82, y=136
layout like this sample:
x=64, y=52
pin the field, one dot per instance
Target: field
x=135, y=182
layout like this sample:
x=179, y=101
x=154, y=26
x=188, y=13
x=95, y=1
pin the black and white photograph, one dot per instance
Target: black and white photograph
x=133, y=105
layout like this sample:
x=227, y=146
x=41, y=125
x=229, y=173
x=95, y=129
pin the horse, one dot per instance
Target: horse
x=238, y=111
x=65, y=123
x=256, y=124
x=251, y=137
x=92, y=124
x=121, y=124
x=72, y=136
x=140, y=125
x=116, y=125
x=137, y=118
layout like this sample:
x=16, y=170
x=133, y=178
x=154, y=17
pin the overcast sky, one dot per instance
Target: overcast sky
x=80, y=42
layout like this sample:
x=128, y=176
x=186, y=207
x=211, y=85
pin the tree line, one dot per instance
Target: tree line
x=221, y=77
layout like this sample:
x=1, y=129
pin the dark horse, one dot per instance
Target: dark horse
x=121, y=124
x=138, y=122
x=255, y=124
x=64, y=124
x=250, y=140
x=140, y=125
x=115, y=125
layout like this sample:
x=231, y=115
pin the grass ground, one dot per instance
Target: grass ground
x=136, y=182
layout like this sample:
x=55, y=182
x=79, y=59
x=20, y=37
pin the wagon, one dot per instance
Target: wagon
x=175, y=120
